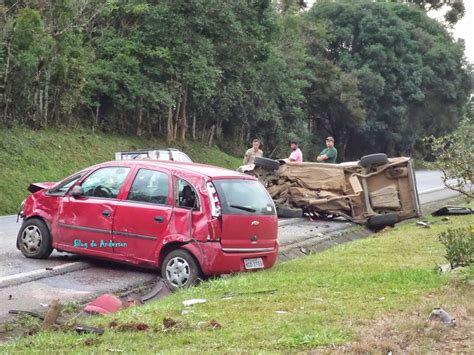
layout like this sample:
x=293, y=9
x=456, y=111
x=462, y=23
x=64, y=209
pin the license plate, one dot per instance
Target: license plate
x=254, y=263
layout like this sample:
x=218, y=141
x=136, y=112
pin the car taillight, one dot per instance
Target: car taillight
x=214, y=200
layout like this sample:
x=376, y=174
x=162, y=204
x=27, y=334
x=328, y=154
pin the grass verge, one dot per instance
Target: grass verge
x=322, y=301
x=50, y=155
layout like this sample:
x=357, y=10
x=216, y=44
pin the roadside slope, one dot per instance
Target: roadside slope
x=49, y=155
x=312, y=303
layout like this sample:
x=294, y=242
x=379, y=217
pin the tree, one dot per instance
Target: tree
x=411, y=75
x=454, y=154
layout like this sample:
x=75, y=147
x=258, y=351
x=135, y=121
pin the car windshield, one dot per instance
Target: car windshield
x=243, y=197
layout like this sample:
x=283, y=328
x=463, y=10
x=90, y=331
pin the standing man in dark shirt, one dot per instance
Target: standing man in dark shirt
x=328, y=154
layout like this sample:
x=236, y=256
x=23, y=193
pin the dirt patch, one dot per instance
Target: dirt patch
x=411, y=332
x=129, y=327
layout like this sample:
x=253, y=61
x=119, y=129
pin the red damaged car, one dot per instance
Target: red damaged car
x=189, y=220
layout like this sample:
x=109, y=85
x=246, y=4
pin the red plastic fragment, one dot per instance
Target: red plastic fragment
x=104, y=304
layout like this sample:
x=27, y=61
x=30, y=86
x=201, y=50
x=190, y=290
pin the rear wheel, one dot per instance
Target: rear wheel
x=35, y=240
x=373, y=159
x=267, y=163
x=180, y=269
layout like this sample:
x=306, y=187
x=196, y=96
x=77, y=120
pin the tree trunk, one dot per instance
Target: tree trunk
x=140, y=118
x=5, y=83
x=211, y=135
x=183, y=121
x=194, y=127
x=176, y=118
x=169, y=126
x=46, y=97
x=219, y=127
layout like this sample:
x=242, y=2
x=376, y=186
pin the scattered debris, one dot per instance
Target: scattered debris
x=186, y=311
x=52, y=314
x=115, y=350
x=10, y=297
x=213, y=324
x=33, y=314
x=159, y=290
x=84, y=329
x=443, y=269
x=423, y=224
x=193, y=301
x=49, y=268
x=108, y=303
x=44, y=305
x=90, y=341
x=305, y=251
x=230, y=294
x=453, y=211
x=104, y=304
x=439, y=314
x=128, y=327
x=381, y=298
x=226, y=298
x=281, y=312
x=169, y=323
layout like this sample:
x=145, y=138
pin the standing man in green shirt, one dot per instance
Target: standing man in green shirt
x=329, y=154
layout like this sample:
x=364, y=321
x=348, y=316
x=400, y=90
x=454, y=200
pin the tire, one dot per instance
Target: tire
x=373, y=159
x=382, y=220
x=267, y=163
x=34, y=239
x=180, y=270
x=288, y=212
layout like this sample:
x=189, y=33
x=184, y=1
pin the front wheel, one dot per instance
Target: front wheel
x=35, y=240
x=180, y=270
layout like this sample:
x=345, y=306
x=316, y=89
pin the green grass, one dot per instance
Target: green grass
x=50, y=155
x=319, y=294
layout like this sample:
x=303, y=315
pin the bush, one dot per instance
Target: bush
x=459, y=244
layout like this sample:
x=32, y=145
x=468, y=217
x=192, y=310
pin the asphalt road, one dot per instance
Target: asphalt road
x=30, y=284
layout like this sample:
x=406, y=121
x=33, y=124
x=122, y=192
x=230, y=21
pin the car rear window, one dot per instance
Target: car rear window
x=243, y=197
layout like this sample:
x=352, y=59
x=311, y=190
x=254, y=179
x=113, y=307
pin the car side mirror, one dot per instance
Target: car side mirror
x=77, y=191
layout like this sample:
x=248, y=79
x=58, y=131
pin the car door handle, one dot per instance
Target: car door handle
x=159, y=219
x=106, y=213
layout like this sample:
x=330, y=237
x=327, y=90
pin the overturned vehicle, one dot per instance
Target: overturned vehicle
x=376, y=190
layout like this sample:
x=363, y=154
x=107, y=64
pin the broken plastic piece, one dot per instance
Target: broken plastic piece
x=193, y=301
x=441, y=315
x=104, y=304
x=86, y=329
x=451, y=210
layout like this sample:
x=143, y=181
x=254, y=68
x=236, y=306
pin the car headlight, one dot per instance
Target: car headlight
x=20, y=210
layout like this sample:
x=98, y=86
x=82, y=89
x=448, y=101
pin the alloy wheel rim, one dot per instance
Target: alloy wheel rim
x=31, y=238
x=178, y=271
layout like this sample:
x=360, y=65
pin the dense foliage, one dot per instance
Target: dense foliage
x=376, y=76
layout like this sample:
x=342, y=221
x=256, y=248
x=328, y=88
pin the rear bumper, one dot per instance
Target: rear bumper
x=215, y=261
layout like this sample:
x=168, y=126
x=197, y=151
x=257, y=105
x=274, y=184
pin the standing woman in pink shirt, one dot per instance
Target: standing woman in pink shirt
x=296, y=154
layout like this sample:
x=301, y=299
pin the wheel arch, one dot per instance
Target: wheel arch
x=191, y=248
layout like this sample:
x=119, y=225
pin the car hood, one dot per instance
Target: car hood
x=37, y=186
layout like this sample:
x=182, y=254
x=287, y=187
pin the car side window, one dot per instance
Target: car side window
x=186, y=195
x=105, y=182
x=64, y=187
x=150, y=186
